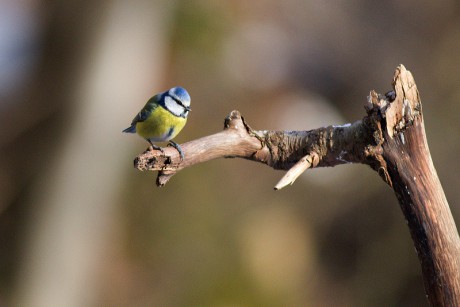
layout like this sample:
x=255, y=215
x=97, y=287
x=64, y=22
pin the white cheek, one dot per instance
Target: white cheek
x=173, y=106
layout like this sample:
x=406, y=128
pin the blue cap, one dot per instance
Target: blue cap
x=180, y=94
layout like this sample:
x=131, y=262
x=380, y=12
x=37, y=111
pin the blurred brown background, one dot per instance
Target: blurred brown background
x=80, y=227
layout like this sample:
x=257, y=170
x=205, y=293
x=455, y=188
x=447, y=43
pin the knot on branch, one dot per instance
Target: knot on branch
x=157, y=160
x=151, y=159
x=235, y=121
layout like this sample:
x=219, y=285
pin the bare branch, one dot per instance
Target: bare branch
x=332, y=146
x=412, y=175
x=390, y=139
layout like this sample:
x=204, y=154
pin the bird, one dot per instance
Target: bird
x=162, y=118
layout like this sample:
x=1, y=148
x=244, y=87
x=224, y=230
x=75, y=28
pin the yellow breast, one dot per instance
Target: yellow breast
x=160, y=126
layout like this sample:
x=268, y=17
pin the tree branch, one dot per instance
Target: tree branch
x=333, y=145
x=418, y=189
x=390, y=139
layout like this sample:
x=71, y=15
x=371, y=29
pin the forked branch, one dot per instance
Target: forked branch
x=390, y=138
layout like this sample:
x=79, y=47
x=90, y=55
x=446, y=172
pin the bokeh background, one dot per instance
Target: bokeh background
x=80, y=227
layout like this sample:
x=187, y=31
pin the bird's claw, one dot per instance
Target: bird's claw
x=155, y=147
x=175, y=145
x=171, y=143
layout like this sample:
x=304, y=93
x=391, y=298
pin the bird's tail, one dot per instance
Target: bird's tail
x=130, y=129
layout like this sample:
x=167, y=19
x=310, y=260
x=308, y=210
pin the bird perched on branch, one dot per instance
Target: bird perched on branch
x=162, y=118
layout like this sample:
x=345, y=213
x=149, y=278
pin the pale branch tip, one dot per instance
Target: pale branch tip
x=309, y=161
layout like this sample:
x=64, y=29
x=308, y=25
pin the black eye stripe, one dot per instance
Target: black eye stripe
x=177, y=100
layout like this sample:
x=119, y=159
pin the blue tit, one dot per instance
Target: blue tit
x=162, y=118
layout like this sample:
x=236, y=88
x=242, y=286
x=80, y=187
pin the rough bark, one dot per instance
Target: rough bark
x=414, y=179
x=390, y=139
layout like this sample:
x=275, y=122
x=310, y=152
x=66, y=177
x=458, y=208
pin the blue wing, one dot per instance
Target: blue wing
x=130, y=129
x=151, y=105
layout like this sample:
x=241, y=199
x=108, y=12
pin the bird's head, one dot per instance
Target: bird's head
x=177, y=101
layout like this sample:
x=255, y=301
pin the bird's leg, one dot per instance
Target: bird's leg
x=175, y=145
x=153, y=146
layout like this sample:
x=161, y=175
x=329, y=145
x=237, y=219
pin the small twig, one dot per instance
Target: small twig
x=309, y=161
